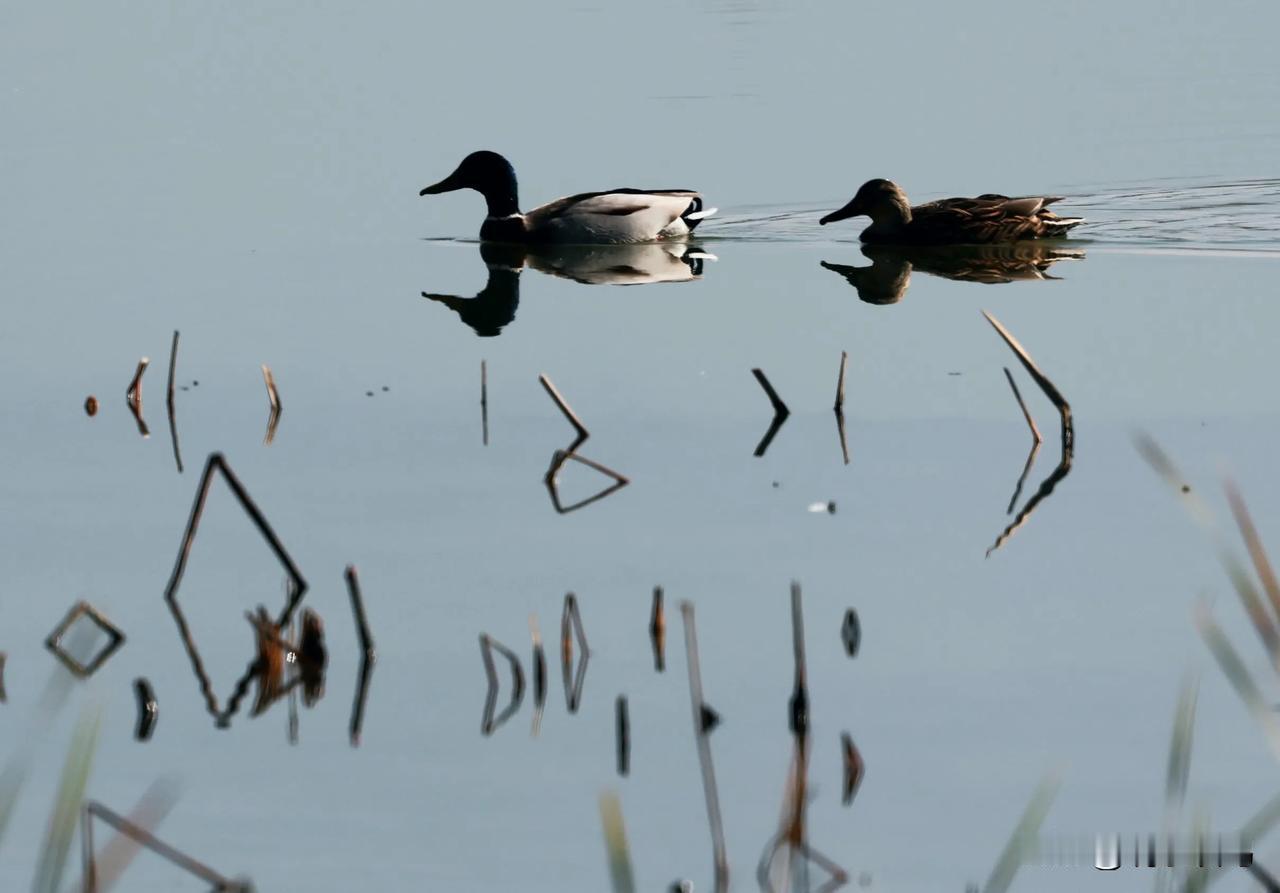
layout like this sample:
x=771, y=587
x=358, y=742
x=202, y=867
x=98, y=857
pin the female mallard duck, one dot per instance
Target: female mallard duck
x=987, y=218
x=616, y=216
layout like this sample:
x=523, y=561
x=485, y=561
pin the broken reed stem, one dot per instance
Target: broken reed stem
x=624, y=736
x=701, y=734
x=1257, y=552
x=134, y=393
x=173, y=366
x=539, y=672
x=484, y=403
x=1050, y=390
x=148, y=840
x=658, y=630
x=272, y=394
x=1026, y=413
x=844, y=361
x=779, y=408
x=357, y=608
x=800, y=691
x=569, y=414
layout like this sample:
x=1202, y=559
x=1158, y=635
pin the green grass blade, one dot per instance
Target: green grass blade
x=1179, y=769
x=66, y=808
x=615, y=843
x=1234, y=669
x=1023, y=839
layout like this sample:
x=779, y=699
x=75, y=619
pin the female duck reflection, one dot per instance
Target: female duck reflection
x=886, y=280
x=637, y=264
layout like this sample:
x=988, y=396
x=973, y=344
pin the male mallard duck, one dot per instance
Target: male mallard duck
x=987, y=218
x=616, y=216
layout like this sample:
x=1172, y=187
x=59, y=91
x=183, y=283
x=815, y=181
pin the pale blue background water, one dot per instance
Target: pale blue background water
x=250, y=177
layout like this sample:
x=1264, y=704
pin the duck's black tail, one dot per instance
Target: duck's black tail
x=694, y=214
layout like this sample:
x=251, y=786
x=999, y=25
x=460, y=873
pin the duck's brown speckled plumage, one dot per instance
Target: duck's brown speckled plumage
x=984, y=219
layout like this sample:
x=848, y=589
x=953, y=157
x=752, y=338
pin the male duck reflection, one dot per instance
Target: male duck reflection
x=987, y=218
x=889, y=276
x=495, y=305
x=591, y=218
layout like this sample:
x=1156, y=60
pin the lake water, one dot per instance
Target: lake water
x=249, y=177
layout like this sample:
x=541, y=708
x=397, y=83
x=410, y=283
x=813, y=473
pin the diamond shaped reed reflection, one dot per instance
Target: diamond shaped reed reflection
x=115, y=638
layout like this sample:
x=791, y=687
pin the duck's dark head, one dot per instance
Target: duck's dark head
x=881, y=200
x=489, y=174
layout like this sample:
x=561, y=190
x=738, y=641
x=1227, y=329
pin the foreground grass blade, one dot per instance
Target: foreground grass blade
x=1179, y=769
x=1023, y=839
x=66, y=808
x=1234, y=669
x=615, y=843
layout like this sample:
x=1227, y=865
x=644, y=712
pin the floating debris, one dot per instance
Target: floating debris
x=91, y=406
x=489, y=722
x=828, y=507
x=3, y=694
x=851, y=632
x=658, y=630
x=623, y=723
x=780, y=412
x=484, y=403
x=148, y=709
x=115, y=639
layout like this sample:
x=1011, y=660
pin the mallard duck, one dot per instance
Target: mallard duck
x=612, y=217
x=987, y=218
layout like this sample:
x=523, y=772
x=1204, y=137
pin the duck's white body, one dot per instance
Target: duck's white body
x=618, y=216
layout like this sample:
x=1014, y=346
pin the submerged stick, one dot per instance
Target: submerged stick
x=658, y=630
x=115, y=857
x=701, y=732
x=539, y=672
x=799, y=705
x=571, y=628
x=569, y=414
x=780, y=412
x=552, y=479
x=489, y=723
x=357, y=609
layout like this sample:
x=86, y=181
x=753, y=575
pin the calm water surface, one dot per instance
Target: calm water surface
x=249, y=177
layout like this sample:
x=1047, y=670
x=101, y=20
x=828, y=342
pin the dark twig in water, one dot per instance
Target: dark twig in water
x=115, y=639
x=658, y=630
x=1035, y=442
x=488, y=645
x=851, y=632
x=552, y=480
x=297, y=585
x=539, y=671
x=368, y=652
x=623, y=723
x=169, y=403
x=799, y=705
x=133, y=396
x=1022, y=478
x=570, y=628
x=1068, y=432
x=780, y=412
x=148, y=709
x=114, y=858
x=701, y=733
x=3, y=694
x=569, y=414
x=357, y=610
x=484, y=403
x=273, y=399
x=361, y=697
x=93, y=809
x=839, y=407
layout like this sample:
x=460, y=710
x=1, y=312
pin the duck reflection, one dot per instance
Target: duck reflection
x=494, y=306
x=887, y=279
